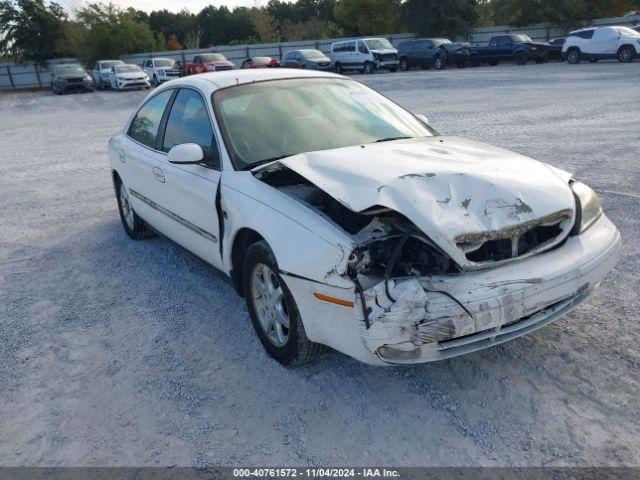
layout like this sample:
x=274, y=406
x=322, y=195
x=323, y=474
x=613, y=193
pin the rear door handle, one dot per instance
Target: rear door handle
x=158, y=174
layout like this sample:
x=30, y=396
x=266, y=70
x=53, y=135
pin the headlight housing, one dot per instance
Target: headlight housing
x=588, y=207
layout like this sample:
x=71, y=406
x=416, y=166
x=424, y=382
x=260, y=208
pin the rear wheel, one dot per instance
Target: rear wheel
x=273, y=310
x=133, y=225
x=626, y=54
x=573, y=56
x=493, y=63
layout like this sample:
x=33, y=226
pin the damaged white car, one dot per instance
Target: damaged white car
x=346, y=221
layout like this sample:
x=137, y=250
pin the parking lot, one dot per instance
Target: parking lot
x=115, y=352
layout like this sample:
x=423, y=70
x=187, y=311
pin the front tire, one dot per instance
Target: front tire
x=521, y=58
x=439, y=63
x=573, y=56
x=404, y=65
x=369, y=68
x=273, y=310
x=626, y=54
x=133, y=225
x=338, y=69
x=155, y=80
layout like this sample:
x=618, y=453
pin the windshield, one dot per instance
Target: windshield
x=127, y=68
x=313, y=54
x=278, y=118
x=627, y=32
x=378, y=44
x=70, y=70
x=213, y=57
x=111, y=64
x=522, y=38
x=164, y=62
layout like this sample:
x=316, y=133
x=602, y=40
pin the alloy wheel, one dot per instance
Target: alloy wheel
x=270, y=304
x=125, y=205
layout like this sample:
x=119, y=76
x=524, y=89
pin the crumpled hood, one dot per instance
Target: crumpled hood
x=447, y=186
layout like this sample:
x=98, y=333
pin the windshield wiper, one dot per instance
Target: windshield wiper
x=390, y=139
x=267, y=160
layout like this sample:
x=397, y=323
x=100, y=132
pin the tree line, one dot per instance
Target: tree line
x=32, y=30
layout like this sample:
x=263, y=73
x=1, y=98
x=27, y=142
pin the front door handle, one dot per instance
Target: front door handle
x=158, y=174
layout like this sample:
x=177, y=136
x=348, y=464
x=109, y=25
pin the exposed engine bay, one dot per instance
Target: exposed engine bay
x=388, y=245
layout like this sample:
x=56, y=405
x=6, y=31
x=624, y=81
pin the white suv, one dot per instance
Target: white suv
x=161, y=69
x=365, y=55
x=594, y=44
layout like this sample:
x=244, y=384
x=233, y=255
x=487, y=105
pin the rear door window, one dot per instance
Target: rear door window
x=144, y=127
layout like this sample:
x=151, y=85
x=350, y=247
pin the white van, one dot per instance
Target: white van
x=365, y=55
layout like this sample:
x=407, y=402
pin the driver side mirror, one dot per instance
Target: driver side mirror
x=422, y=118
x=186, y=154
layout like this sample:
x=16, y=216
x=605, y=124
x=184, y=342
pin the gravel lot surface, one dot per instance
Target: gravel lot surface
x=115, y=352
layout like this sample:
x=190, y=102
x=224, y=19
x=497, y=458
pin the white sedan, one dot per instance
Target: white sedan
x=347, y=221
x=122, y=77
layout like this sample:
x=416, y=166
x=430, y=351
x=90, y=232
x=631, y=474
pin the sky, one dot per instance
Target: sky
x=172, y=5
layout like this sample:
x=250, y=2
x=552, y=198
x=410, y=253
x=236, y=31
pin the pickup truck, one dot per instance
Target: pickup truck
x=208, y=62
x=514, y=47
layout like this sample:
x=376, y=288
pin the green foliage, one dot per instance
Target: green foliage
x=440, y=18
x=31, y=30
x=368, y=17
x=108, y=32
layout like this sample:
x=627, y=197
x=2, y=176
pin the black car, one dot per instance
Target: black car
x=555, y=49
x=310, y=59
x=432, y=52
x=513, y=47
x=71, y=78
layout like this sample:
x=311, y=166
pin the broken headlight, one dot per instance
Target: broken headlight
x=588, y=206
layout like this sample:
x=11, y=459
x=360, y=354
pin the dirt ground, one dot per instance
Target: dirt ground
x=115, y=352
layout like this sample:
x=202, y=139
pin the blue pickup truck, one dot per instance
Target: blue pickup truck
x=508, y=48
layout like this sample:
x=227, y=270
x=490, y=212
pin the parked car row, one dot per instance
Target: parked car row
x=365, y=55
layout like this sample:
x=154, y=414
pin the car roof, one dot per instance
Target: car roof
x=212, y=81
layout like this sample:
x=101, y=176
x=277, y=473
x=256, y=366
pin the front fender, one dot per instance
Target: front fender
x=303, y=242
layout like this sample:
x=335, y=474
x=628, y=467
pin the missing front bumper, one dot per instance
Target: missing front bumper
x=438, y=318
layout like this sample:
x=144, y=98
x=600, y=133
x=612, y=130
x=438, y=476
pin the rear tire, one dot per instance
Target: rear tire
x=493, y=63
x=133, y=225
x=274, y=313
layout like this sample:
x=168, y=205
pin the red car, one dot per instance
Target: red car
x=208, y=62
x=260, y=62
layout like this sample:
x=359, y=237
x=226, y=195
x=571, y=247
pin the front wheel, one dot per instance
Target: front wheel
x=626, y=54
x=338, y=69
x=521, y=58
x=439, y=63
x=155, y=80
x=404, y=65
x=273, y=310
x=369, y=68
x=573, y=56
